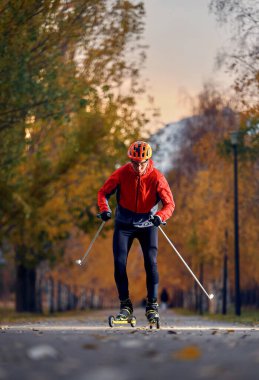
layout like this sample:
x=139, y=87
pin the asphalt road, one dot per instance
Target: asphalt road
x=187, y=348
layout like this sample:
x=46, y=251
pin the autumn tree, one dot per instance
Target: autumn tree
x=203, y=187
x=203, y=174
x=241, y=59
x=61, y=67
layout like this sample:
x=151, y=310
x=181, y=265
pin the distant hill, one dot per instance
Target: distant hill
x=165, y=144
x=166, y=141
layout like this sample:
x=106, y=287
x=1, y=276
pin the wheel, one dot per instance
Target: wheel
x=133, y=322
x=111, y=320
x=158, y=323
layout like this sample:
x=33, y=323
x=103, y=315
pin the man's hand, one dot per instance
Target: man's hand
x=156, y=220
x=105, y=215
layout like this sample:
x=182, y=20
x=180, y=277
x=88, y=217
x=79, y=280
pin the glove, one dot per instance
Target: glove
x=156, y=220
x=106, y=215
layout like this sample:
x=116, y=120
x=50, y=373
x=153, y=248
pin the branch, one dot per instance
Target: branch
x=4, y=7
x=24, y=107
x=242, y=60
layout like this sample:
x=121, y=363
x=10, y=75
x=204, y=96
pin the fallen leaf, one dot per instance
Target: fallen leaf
x=89, y=346
x=188, y=353
x=99, y=337
x=151, y=353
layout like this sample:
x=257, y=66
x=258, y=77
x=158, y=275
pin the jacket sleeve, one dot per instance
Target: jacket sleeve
x=107, y=190
x=167, y=199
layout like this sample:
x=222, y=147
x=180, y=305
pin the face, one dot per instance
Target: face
x=140, y=167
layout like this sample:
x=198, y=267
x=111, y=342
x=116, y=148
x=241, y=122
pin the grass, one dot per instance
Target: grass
x=248, y=316
x=11, y=316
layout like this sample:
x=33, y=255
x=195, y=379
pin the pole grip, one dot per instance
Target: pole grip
x=100, y=217
x=152, y=218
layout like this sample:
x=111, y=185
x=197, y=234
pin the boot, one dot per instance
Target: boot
x=126, y=310
x=152, y=310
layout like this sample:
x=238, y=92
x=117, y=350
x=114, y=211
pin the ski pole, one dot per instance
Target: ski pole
x=210, y=296
x=80, y=261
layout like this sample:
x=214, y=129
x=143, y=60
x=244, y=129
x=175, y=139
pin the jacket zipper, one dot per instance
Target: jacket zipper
x=138, y=184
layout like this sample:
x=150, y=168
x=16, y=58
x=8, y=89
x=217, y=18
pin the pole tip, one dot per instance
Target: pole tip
x=211, y=296
x=79, y=262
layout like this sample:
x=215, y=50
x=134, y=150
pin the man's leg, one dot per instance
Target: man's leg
x=122, y=241
x=148, y=238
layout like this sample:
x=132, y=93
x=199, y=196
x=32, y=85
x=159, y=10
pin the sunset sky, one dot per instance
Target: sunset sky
x=183, y=39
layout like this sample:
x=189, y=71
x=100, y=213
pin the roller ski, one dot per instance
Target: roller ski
x=152, y=314
x=125, y=315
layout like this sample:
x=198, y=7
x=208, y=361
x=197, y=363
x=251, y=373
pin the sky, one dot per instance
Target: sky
x=183, y=39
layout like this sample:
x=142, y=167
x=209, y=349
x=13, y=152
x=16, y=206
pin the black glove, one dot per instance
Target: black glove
x=105, y=215
x=156, y=220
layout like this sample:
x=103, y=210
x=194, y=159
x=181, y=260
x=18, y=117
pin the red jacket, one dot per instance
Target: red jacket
x=137, y=196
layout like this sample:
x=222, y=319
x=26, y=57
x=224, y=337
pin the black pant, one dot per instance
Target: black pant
x=122, y=240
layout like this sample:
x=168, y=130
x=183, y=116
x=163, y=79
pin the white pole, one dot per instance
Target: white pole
x=210, y=296
x=80, y=262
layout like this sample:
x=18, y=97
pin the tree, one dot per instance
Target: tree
x=242, y=59
x=202, y=183
x=242, y=56
x=45, y=45
x=60, y=108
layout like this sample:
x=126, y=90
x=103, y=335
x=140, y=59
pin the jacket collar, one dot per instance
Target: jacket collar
x=150, y=168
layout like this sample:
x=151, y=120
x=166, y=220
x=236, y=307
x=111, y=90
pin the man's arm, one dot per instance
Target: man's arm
x=106, y=191
x=167, y=199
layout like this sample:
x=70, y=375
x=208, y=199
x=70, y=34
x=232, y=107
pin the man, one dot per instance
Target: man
x=164, y=297
x=139, y=186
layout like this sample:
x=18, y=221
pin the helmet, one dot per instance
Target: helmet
x=140, y=150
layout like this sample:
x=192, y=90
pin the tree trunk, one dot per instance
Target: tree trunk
x=201, y=309
x=51, y=286
x=25, y=286
x=25, y=289
x=69, y=298
x=39, y=285
x=196, y=296
x=59, y=297
x=225, y=276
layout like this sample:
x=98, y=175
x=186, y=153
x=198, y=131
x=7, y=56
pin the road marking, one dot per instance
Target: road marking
x=37, y=327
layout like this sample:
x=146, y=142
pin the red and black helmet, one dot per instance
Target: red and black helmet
x=139, y=151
